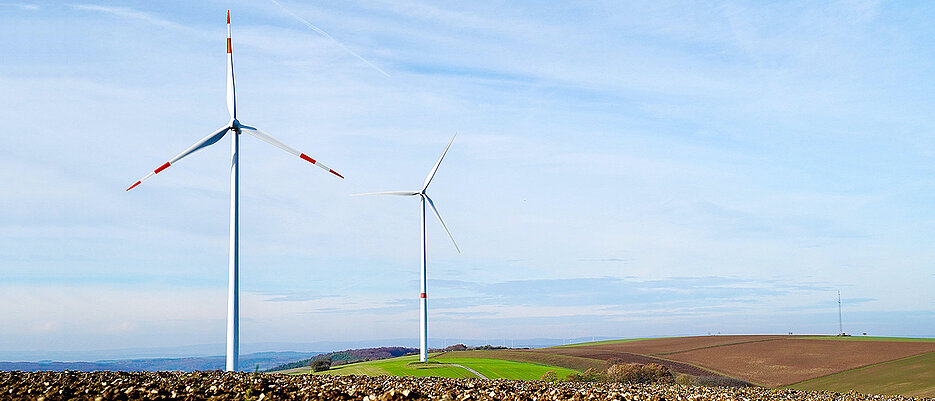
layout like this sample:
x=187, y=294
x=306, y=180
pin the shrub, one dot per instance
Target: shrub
x=685, y=379
x=637, y=373
x=319, y=365
x=590, y=375
x=720, y=381
x=615, y=361
x=549, y=376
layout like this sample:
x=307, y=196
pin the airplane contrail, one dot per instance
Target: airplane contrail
x=326, y=35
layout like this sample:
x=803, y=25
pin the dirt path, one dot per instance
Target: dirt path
x=467, y=369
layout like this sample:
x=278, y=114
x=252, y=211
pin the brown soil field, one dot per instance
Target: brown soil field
x=661, y=346
x=789, y=360
x=605, y=355
x=54, y=386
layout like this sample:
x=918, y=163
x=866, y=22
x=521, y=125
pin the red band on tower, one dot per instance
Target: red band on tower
x=162, y=167
x=306, y=158
x=422, y=295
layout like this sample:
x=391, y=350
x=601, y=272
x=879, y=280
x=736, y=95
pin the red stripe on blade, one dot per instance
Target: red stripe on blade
x=335, y=173
x=228, y=45
x=422, y=295
x=134, y=185
x=306, y=158
x=228, y=16
x=162, y=167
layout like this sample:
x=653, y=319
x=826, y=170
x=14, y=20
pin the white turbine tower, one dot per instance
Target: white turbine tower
x=233, y=290
x=423, y=307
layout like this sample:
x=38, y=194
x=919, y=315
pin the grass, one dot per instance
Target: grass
x=912, y=376
x=504, y=369
x=534, y=357
x=492, y=368
x=402, y=366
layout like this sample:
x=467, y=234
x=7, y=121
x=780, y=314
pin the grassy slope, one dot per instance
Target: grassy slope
x=912, y=376
x=402, y=366
x=533, y=357
x=492, y=368
x=503, y=369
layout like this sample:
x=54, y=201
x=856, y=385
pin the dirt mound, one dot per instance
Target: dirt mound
x=49, y=386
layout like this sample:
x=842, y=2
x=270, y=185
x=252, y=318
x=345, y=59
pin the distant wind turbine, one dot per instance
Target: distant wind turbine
x=233, y=290
x=423, y=307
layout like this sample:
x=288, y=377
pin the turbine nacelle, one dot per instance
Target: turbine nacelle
x=423, y=194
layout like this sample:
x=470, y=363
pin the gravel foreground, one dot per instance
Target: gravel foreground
x=48, y=386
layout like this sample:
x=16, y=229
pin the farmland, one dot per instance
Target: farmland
x=770, y=361
x=868, y=364
x=912, y=376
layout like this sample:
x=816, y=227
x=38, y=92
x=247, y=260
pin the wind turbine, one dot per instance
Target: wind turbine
x=423, y=301
x=233, y=289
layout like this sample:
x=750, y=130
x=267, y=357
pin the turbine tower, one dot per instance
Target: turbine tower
x=423, y=296
x=233, y=126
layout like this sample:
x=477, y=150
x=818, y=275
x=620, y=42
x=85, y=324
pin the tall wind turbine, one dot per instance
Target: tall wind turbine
x=234, y=126
x=423, y=301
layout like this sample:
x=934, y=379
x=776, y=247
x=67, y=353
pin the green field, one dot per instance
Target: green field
x=533, y=357
x=402, y=366
x=503, y=369
x=913, y=376
x=442, y=367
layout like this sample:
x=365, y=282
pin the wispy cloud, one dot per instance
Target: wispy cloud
x=131, y=14
x=329, y=37
x=22, y=6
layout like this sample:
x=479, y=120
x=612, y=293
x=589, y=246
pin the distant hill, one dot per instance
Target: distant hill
x=349, y=356
x=248, y=362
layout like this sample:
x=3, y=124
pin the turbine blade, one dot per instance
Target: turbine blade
x=434, y=210
x=275, y=142
x=203, y=143
x=428, y=179
x=231, y=97
x=397, y=193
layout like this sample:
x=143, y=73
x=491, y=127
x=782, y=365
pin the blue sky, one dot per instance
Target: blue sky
x=622, y=169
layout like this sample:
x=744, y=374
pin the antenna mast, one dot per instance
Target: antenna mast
x=840, y=321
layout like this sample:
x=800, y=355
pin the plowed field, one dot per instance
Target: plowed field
x=657, y=346
x=787, y=361
x=765, y=360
